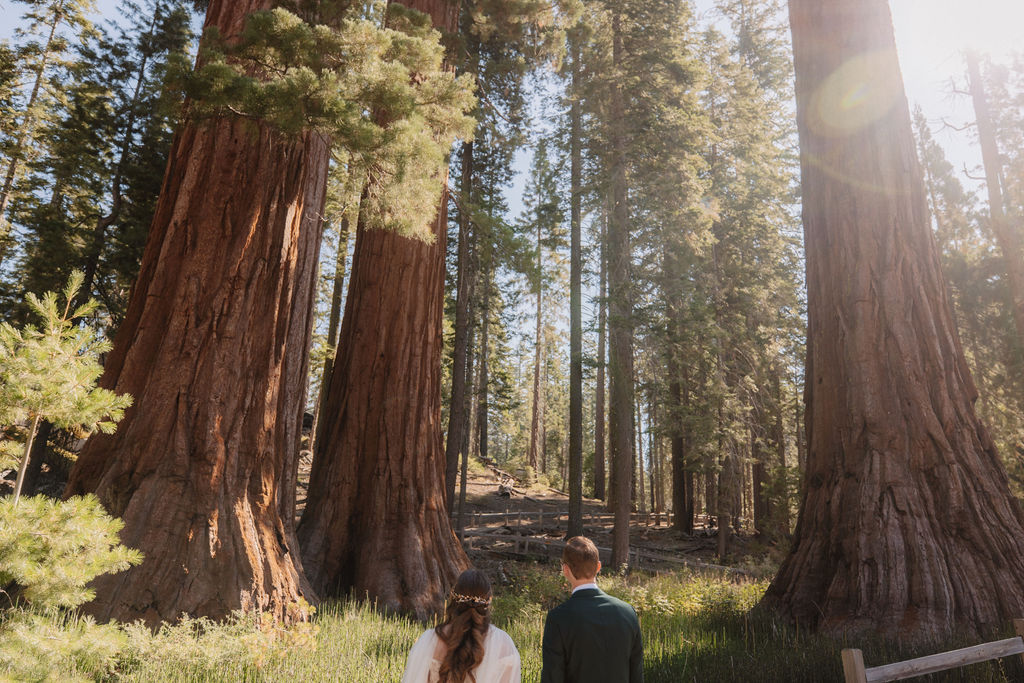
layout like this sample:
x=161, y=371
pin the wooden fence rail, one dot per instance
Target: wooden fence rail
x=855, y=671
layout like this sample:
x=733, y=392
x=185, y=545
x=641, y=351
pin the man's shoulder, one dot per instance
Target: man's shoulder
x=622, y=604
x=560, y=610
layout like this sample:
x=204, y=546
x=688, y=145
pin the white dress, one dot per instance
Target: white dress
x=499, y=665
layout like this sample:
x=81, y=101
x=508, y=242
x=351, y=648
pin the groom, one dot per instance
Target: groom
x=591, y=637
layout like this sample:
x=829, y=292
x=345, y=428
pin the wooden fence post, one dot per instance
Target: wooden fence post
x=853, y=666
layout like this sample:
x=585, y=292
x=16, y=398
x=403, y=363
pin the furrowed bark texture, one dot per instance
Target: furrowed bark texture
x=907, y=526
x=214, y=351
x=375, y=521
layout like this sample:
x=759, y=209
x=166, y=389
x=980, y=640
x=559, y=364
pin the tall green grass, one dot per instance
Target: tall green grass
x=696, y=628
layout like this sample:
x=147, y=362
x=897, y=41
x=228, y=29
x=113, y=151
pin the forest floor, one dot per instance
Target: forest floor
x=506, y=521
x=500, y=516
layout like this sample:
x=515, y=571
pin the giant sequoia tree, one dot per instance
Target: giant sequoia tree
x=907, y=525
x=375, y=520
x=213, y=349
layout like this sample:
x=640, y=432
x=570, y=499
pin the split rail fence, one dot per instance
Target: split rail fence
x=855, y=671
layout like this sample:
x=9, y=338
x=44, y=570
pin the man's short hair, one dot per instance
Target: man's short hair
x=580, y=554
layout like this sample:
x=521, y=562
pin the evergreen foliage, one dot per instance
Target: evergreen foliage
x=49, y=552
x=94, y=184
x=53, y=549
x=48, y=28
x=382, y=95
x=49, y=372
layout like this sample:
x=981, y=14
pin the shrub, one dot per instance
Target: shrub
x=52, y=549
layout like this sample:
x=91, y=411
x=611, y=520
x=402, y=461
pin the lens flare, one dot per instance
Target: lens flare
x=858, y=93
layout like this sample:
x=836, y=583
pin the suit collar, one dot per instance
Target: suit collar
x=586, y=593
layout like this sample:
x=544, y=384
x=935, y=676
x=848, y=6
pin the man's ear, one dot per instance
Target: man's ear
x=567, y=573
x=598, y=569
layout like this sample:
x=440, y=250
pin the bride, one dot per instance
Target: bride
x=465, y=647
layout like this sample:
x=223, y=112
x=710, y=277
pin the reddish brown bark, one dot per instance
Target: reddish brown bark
x=214, y=351
x=907, y=527
x=375, y=521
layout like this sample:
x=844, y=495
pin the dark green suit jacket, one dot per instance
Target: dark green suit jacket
x=592, y=638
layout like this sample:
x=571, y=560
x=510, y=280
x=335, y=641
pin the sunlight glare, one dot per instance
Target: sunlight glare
x=942, y=28
x=855, y=95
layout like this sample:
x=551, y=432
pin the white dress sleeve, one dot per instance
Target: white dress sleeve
x=501, y=659
x=417, y=667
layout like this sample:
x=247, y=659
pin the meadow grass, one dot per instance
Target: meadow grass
x=696, y=627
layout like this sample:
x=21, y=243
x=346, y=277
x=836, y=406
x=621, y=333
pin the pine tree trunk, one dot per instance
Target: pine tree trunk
x=535, y=455
x=652, y=461
x=575, y=520
x=640, y=486
x=463, y=293
x=483, y=369
x=36, y=457
x=620, y=316
x=599, y=394
x=23, y=467
x=214, y=350
x=763, y=507
x=376, y=522
x=907, y=527
x=1007, y=235
x=779, y=438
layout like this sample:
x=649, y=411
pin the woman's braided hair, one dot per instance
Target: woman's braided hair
x=464, y=628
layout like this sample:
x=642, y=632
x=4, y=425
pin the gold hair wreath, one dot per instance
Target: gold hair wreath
x=476, y=600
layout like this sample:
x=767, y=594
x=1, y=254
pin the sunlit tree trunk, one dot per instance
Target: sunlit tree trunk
x=376, y=522
x=907, y=527
x=214, y=350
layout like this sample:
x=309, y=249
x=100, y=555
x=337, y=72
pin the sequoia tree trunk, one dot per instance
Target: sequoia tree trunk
x=375, y=521
x=214, y=351
x=620, y=330
x=907, y=526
